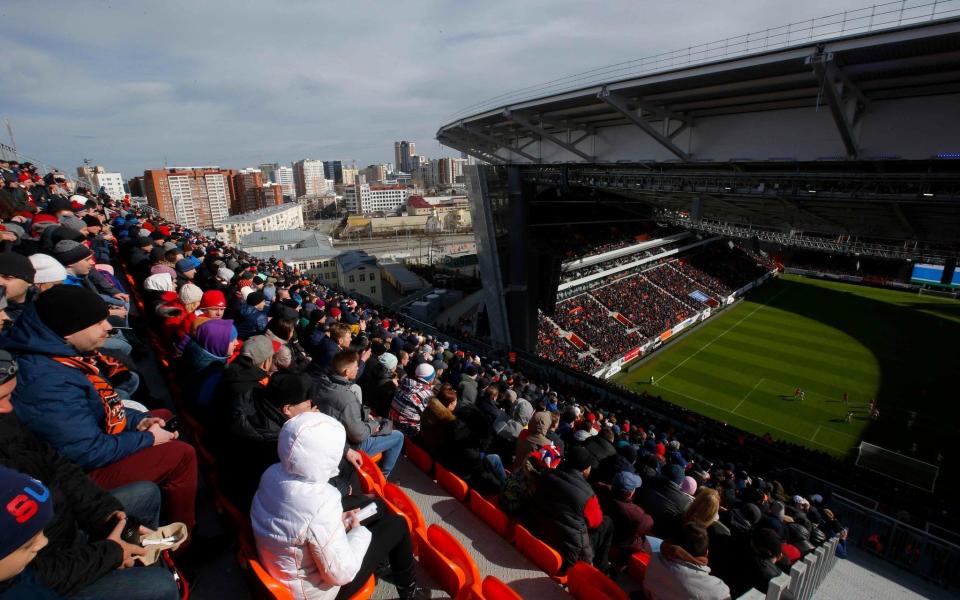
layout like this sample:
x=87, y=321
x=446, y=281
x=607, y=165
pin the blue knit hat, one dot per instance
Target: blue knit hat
x=27, y=509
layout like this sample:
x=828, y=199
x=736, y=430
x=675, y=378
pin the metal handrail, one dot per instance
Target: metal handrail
x=876, y=17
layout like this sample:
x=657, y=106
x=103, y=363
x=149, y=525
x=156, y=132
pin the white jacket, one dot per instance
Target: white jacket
x=296, y=514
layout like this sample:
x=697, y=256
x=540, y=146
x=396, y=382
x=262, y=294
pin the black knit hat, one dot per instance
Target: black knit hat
x=69, y=252
x=288, y=388
x=255, y=298
x=92, y=221
x=16, y=265
x=67, y=309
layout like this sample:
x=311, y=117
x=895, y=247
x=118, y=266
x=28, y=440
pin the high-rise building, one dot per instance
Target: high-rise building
x=334, y=170
x=247, y=191
x=112, y=183
x=195, y=197
x=308, y=177
x=402, y=151
x=350, y=175
x=376, y=173
x=365, y=198
x=280, y=174
x=96, y=177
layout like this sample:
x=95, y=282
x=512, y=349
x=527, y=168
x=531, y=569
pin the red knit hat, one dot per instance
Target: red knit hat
x=213, y=299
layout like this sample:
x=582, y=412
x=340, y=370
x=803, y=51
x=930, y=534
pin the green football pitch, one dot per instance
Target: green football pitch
x=827, y=338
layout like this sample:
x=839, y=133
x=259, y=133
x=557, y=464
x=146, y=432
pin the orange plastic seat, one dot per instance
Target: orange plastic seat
x=418, y=456
x=494, y=589
x=442, y=569
x=586, y=582
x=637, y=566
x=446, y=544
x=451, y=482
x=366, y=592
x=370, y=468
x=367, y=484
x=539, y=552
x=490, y=514
x=401, y=504
x=265, y=585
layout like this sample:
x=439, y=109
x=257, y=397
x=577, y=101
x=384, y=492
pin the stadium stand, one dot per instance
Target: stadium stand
x=580, y=487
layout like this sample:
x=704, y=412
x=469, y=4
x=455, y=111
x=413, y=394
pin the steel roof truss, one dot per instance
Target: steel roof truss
x=621, y=105
x=539, y=130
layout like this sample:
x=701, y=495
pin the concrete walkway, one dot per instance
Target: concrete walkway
x=866, y=577
x=493, y=555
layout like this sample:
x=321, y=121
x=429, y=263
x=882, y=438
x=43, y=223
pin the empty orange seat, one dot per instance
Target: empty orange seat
x=370, y=468
x=637, y=566
x=494, y=589
x=451, y=482
x=446, y=544
x=442, y=569
x=265, y=585
x=490, y=514
x=418, y=456
x=539, y=552
x=366, y=591
x=586, y=582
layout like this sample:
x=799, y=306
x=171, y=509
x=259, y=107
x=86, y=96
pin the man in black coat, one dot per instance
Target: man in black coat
x=663, y=500
x=85, y=555
x=565, y=512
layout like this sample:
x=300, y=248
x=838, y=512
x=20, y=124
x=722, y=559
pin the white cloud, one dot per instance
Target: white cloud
x=238, y=83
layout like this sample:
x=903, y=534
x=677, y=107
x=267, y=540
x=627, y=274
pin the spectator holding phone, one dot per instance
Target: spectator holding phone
x=304, y=538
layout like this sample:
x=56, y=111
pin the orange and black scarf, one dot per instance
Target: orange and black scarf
x=92, y=366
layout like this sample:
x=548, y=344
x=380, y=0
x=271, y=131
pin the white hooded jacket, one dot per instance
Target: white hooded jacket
x=296, y=514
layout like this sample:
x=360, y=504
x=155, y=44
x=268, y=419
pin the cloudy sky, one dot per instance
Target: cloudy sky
x=134, y=85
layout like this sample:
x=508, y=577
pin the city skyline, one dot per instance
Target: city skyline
x=135, y=87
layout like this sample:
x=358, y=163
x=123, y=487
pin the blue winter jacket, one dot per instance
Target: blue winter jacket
x=59, y=403
x=250, y=322
x=204, y=369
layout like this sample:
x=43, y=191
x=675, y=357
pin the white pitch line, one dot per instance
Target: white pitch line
x=815, y=433
x=712, y=405
x=748, y=394
x=708, y=344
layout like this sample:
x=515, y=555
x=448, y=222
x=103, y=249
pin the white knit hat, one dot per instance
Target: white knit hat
x=48, y=269
x=190, y=294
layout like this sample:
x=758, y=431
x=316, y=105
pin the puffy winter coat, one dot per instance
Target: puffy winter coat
x=296, y=514
x=59, y=403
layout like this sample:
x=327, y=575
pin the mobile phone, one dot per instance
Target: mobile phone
x=172, y=425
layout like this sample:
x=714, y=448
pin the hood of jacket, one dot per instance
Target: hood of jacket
x=29, y=335
x=311, y=446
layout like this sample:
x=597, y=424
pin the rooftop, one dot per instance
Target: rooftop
x=260, y=213
x=404, y=276
x=352, y=259
x=283, y=236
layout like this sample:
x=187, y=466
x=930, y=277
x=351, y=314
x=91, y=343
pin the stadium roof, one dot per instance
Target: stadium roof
x=677, y=114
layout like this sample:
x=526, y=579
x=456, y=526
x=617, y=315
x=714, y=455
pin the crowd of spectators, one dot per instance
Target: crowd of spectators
x=677, y=284
x=594, y=324
x=649, y=308
x=554, y=347
x=290, y=378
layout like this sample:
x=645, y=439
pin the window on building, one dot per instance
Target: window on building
x=363, y=277
x=350, y=279
x=373, y=289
